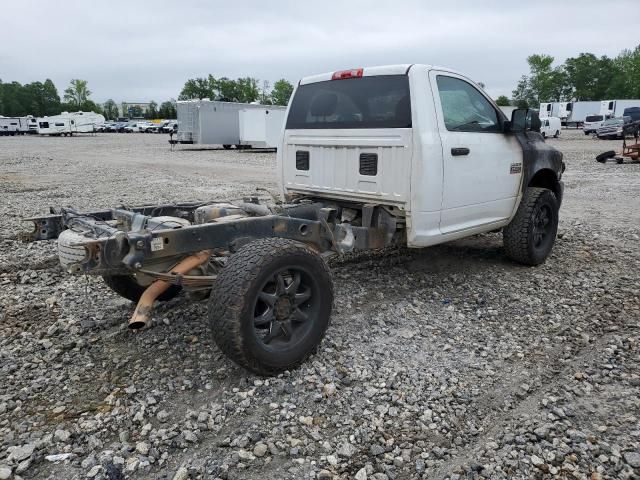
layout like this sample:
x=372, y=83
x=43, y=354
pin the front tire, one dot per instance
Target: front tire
x=530, y=236
x=271, y=305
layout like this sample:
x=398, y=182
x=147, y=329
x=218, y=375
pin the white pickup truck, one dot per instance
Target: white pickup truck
x=409, y=155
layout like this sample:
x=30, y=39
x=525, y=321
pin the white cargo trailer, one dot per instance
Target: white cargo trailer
x=615, y=108
x=207, y=122
x=261, y=127
x=549, y=109
x=577, y=112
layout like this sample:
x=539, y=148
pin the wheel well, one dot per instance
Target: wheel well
x=546, y=178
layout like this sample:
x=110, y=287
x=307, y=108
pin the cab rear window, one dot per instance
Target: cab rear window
x=366, y=102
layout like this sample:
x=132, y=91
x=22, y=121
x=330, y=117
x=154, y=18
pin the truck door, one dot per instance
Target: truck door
x=482, y=165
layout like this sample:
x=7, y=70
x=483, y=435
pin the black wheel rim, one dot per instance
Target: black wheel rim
x=285, y=308
x=542, y=227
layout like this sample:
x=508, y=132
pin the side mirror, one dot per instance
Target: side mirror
x=524, y=120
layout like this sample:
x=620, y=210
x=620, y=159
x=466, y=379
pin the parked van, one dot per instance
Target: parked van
x=592, y=123
x=550, y=127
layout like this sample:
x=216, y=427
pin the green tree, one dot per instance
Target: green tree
x=248, y=90
x=77, y=93
x=167, y=109
x=110, y=109
x=544, y=83
x=51, y=98
x=152, y=110
x=281, y=92
x=503, y=101
x=588, y=76
x=197, y=88
x=625, y=82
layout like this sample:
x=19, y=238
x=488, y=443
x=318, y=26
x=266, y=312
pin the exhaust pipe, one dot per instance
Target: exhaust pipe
x=142, y=314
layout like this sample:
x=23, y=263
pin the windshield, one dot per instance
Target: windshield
x=593, y=118
x=613, y=121
x=368, y=102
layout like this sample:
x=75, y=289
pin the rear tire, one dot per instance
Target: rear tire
x=127, y=287
x=530, y=236
x=226, y=147
x=271, y=305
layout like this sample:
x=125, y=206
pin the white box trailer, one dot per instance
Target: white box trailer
x=577, y=112
x=615, y=108
x=207, y=122
x=69, y=123
x=262, y=127
x=549, y=109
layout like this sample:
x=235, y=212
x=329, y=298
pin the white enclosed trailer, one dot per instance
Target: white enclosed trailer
x=550, y=109
x=615, y=108
x=261, y=127
x=207, y=122
x=577, y=112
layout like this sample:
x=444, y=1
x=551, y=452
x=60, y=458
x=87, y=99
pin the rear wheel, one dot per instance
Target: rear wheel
x=226, y=147
x=530, y=236
x=127, y=287
x=271, y=305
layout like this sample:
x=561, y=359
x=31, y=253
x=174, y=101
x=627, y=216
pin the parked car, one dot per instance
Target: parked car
x=145, y=127
x=170, y=127
x=120, y=126
x=550, y=127
x=157, y=127
x=136, y=127
x=614, y=128
x=592, y=123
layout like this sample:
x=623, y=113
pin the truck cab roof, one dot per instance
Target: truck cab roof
x=400, y=69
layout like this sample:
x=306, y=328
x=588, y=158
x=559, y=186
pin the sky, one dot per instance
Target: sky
x=145, y=50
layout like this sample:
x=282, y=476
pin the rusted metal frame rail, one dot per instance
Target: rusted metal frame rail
x=48, y=227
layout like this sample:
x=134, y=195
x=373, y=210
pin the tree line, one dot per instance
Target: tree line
x=244, y=90
x=581, y=78
x=41, y=99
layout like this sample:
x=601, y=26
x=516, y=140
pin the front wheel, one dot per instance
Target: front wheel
x=530, y=236
x=271, y=305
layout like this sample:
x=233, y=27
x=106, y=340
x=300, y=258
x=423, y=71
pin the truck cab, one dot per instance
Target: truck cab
x=426, y=142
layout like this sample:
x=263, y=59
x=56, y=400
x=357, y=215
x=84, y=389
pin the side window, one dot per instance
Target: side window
x=464, y=108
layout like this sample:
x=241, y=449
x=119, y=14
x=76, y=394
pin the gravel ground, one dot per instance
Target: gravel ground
x=472, y=366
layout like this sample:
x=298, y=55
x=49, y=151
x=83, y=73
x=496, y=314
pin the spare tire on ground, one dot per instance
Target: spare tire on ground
x=603, y=157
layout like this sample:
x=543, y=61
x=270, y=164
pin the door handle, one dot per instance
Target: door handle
x=460, y=151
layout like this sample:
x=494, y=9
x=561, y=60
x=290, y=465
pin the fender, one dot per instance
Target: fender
x=541, y=164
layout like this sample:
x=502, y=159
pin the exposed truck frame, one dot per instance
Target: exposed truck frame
x=262, y=264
